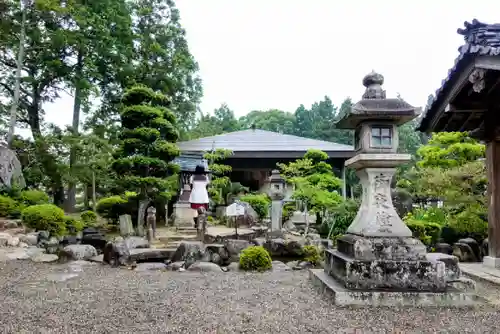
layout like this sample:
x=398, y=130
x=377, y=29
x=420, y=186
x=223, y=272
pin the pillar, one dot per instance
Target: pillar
x=493, y=173
x=344, y=185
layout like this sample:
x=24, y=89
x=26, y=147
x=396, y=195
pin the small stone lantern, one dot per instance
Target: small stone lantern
x=277, y=194
x=276, y=185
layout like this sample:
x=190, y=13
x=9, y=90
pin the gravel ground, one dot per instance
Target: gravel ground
x=105, y=300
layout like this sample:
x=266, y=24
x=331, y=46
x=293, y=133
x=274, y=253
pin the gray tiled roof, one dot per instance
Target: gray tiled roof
x=480, y=40
x=259, y=141
x=188, y=162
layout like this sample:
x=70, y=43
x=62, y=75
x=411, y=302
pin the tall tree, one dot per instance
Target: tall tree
x=271, y=120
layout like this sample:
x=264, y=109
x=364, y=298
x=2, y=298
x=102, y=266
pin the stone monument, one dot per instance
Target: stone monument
x=277, y=193
x=378, y=262
x=183, y=214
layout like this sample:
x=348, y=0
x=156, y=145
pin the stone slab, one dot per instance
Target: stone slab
x=376, y=298
x=411, y=275
x=479, y=272
x=150, y=254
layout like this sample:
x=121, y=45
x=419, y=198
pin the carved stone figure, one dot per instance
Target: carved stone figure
x=151, y=222
x=10, y=168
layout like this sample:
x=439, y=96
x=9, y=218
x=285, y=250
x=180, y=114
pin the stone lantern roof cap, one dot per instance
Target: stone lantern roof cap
x=374, y=106
x=276, y=177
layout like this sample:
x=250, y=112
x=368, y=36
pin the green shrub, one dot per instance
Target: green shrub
x=45, y=217
x=255, y=258
x=210, y=219
x=89, y=217
x=259, y=202
x=339, y=219
x=427, y=232
x=33, y=197
x=312, y=254
x=8, y=207
x=111, y=207
x=73, y=225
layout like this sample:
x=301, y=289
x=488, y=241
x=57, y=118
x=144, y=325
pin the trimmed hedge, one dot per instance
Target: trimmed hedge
x=255, y=258
x=45, y=217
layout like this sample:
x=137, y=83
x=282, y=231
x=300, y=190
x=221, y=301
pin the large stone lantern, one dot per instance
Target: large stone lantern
x=276, y=191
x=378, y=261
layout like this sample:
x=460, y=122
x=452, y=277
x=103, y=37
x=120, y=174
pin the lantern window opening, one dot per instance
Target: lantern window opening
x=381, y=137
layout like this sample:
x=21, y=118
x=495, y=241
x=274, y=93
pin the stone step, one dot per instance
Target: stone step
x=178, y=237
x=186, y=230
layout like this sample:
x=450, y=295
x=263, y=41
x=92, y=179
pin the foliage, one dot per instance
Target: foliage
x=89, y=217
x=33, y=197
x=144, y=159
x=233, y=190
x=259, y=202
x=111, y=207
x=255, y=258
x=340, y=218
x=427, y=232
x=73, y=225
x=312, y=254
x=8, y=207
x=314, y=181
x=219, y=180
x=45, y=217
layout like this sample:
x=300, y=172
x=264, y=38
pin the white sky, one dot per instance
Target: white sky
x=263, y=54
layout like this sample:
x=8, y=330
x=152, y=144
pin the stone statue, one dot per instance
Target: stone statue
x=10, y=168
x=202, y=223
x=151, y=223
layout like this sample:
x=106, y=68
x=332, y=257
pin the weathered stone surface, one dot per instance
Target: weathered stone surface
x=149, y=254
x=116, y=253
x=465, y=251
x=98, y=241
x=44, y=258
x=31, y=238
x=235, y=246
x=282, y=247
x=134, y=242
x=5, y=239
x=175, y=266
x=258, y=241
x=77, y=252
x=233, y=266
x=370, y=249
x=407, y=275
x=217, y=253
x=205, y=267
x=452, y=270
x=148, y=266
x=51, y=246
x=69, y=240
x=443, y=247
x=189, y=252
x=280, y=266
x=484, y=247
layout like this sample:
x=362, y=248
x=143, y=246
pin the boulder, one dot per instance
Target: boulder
x=9, y=224
x=205, y=267
x=43, y=235
x=276, y=247
x=116, y=253
x=280, y=266
x=217, y=253
x=69, y=240
x=13, y=242
x=467, y=250
x=443, y=247
x=452, y=270
x=474, y=245
x=41, y=257
x=5, y=239
x=134, y=242
x=485, y=247
x=175, y=266
x=77, y=252
x=313, y=236
x=301, y=265
x=235, y=246
x=98, y=241
x=233, y=266
x=189, y=252
x=258, y=241
x=51, y=246
x=31, y=238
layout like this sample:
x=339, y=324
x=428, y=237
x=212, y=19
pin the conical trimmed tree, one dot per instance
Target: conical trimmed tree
x=148, y=146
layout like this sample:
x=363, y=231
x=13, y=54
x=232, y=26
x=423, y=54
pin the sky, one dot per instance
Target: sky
x=278, y=54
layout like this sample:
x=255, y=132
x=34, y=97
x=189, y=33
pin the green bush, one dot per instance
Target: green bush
x=8, y=207
x=255, y=258
x=259, y=202
x=73, y=225
x=312, y=254
x=339, y=219
x=427, y=232
x=33, y=197
x=45, y=217
x=89, y=217
x=111, y=207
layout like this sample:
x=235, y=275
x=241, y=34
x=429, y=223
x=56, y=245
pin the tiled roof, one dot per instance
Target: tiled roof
x=188, y=162
x=480, y=40
x=259, y=141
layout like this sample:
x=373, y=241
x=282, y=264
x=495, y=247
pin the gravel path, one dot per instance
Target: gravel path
x=105, y=300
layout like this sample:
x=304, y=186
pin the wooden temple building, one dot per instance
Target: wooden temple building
x=469, y=100
x=256, y=153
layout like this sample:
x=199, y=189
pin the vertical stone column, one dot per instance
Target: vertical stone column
x=493, y=173
x=344, y=185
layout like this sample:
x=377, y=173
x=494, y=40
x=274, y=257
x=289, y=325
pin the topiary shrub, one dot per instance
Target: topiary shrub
x=33, y=197
x=259, y=202
x=427, y=232
x=8, y=207
x=312, y=254
x=45, y=217
x=89, y=217
x=255, y=258
x=73, y=225
x=111, y=207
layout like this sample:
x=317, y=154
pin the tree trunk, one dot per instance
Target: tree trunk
x=86, y=202
x=71, y=202
x=306, y=216
x=17, y=85
x=94, y=201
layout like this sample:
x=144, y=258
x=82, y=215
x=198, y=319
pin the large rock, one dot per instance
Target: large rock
x=51, y=246
x=283, y=247
x=31, y=239
x=149, y=255
x=116, y=253
x=189, y=252
x=452, y=270
x=235, y=246
x=467, y=250
x=443, y=247
x=217, y=253
x=77, y=252
x=97, y=240
x=70, y=240
x=5, y=239
x=134, y=242
x=41, y=257
x=205, y=267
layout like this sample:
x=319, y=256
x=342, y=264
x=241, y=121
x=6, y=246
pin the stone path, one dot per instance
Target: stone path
x=91, y=298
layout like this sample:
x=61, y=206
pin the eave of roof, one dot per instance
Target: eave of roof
x=476, y=45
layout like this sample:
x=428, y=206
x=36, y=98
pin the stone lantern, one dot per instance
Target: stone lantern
x=277, y=193
x=378, y=261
